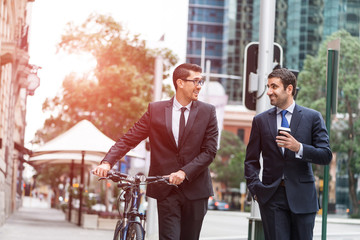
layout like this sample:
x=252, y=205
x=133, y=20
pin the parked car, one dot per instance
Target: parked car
x=211, y=203
x=217, y=205
x=222, y=205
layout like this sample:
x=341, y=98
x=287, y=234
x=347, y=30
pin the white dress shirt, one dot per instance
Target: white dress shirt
x=176, y=113
x=288, y=116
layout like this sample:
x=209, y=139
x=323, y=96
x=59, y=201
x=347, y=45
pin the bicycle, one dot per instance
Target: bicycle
x=132, y=224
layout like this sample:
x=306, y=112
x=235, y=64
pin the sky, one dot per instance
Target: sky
x=149, y=18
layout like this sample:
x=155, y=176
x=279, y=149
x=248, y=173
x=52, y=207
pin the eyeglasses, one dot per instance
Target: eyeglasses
x=195, y=82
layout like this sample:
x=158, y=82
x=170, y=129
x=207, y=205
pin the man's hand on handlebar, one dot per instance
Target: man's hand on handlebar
x=177, y=177
x=102, y=169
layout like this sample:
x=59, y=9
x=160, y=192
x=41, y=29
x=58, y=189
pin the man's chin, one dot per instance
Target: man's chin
x=272, y=102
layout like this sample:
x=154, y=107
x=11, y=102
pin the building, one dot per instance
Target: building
x=228, y=26
x=206, y=20
x=14, y=88
x=225, y=29
x=238, y=120
x=301, y=26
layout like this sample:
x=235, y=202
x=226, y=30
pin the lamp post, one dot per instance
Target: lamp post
x=33, y=80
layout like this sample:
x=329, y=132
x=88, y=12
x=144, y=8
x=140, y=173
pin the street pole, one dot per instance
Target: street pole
x=207, y=79
x=265, y=63
x=158, y=78
x=151, y=213
x=331, y=103
x=203, y=40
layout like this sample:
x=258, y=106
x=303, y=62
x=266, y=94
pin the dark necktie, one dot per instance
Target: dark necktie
x=182, y=125
x=284, y=122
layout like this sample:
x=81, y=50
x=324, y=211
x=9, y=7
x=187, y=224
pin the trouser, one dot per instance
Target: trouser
x=179, y=217
x=280, y=223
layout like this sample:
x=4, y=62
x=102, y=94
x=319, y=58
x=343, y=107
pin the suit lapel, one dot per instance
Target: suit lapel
x=273, y=125
x=272, y=122
x=192, y=116
x=295, y=120
x=168, y=121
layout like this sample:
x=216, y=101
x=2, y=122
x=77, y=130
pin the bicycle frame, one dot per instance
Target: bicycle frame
x=132, y=221
x=132, y=197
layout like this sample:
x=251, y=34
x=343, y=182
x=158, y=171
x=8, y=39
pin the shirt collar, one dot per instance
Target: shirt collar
x=178, y=106
x=290, y=109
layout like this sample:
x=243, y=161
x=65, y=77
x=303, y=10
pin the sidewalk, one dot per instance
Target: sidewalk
x=36, y=221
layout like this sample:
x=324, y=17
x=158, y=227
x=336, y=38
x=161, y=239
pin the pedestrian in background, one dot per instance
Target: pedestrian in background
x=183, y=134
x=286, y=194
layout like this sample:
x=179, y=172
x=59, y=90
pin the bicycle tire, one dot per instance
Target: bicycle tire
x=135, y=232
x=117, y=232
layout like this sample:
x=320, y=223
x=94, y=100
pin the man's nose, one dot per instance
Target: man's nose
x=269, y=91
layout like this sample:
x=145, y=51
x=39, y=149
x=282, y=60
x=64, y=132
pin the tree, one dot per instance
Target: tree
x=117, y=92
x=345, y=129
x=228, y=164
x=53, y=175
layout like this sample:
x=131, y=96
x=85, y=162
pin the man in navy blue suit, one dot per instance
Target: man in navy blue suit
x=286, y=194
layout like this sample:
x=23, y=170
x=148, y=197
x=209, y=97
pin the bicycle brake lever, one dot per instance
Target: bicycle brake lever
x=171, y=184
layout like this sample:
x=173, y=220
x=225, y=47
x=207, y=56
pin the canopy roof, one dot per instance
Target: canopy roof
x=83, y=137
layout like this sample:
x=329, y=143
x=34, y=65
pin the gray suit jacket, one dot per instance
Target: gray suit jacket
x=307, y=127
x=193, y=156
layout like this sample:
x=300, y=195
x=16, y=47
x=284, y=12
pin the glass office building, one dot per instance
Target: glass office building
x=226, y=30
x=301, y=26
x=228, y=26
x=206, y=20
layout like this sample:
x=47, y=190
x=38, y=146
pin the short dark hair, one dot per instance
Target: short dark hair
x=286, y=76
x=183, y=71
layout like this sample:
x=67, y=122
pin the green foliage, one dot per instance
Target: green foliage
x=52, y=175
x=228, y=164
x=345, y=127
x=312, y=79
x=89, y=202
x=118, y=90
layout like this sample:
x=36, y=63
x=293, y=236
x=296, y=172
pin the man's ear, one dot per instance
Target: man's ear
x=180, y=84
x=290, y=88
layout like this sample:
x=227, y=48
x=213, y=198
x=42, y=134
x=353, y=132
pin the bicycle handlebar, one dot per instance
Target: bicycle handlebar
x=116, y=176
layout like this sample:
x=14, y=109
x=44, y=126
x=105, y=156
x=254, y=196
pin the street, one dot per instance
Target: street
x=36, y=221
x=220, y=225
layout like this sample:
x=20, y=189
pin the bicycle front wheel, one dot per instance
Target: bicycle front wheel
x=135, y=232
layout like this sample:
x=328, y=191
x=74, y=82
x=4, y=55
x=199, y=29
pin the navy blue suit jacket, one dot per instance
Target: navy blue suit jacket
x=193, y=156
x=307, y=127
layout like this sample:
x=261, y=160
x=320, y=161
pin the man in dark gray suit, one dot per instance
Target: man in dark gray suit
x=286, y=194
x=183, y=134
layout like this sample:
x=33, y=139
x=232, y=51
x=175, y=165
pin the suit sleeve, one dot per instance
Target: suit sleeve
x=131, y=139
x=208, y=149
x=318, y=151
x=252, y=159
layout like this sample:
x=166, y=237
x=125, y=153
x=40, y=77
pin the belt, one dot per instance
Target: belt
x=282, y=183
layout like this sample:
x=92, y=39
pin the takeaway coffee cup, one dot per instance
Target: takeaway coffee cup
x=285, y=129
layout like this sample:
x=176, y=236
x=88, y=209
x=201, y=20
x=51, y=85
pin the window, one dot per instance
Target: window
x=241, y=134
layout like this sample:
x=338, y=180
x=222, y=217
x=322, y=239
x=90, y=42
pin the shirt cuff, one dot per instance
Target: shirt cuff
x=104, y=161
x=299, y=154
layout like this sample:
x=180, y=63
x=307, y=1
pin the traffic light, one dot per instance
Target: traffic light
x=250, y=72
